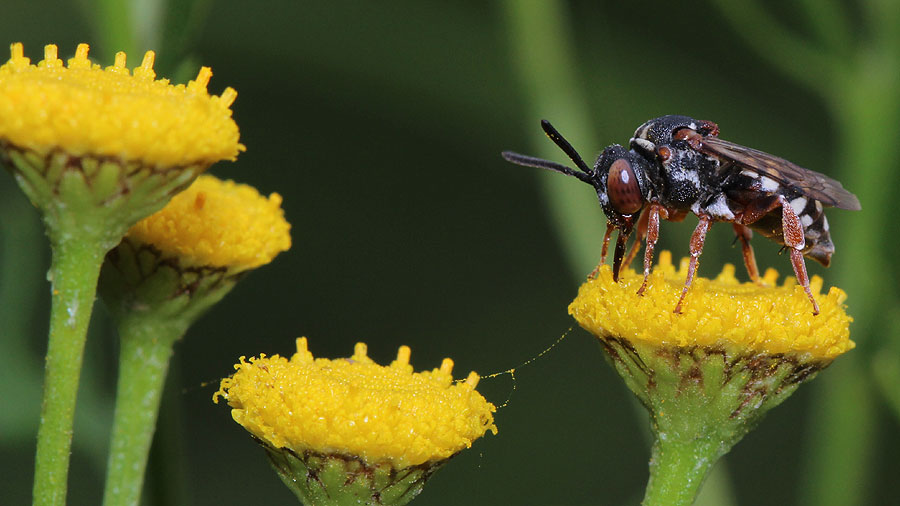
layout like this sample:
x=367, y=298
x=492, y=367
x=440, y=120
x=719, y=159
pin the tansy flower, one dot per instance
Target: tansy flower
x=217, y=223
x=349, y=430
x=82, y=109
x=107, y=141
x=707, y=376
x=169, y=269
x=95, y=150
x=193, y=249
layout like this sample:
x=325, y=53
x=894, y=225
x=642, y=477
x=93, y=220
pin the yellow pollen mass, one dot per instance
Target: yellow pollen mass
x=718, y=312
x=219, y=224
x=83, y=109
x=354, y=406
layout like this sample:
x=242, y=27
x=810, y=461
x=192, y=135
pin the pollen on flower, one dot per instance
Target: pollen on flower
x=219, y=224
x=718, y=312
x=83, y=109
x=357, y=407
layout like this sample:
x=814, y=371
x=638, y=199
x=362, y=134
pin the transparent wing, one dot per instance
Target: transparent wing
x=808, y=182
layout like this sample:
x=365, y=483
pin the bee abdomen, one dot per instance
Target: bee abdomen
x=815, y=230
x=815, y=227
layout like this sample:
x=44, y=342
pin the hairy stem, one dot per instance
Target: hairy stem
x=143, y=363
x=73, y=274
x=678, y=469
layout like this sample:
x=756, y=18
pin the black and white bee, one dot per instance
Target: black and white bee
x=678, y=165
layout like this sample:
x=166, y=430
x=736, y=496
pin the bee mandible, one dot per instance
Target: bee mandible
x=677, y=165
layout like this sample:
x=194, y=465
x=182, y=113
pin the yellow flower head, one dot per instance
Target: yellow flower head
x=357, y=407
x=83, y=109
x=218, y=223
x=721, y=312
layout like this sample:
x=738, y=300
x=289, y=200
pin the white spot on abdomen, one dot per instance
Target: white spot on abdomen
x=798, y=204
x=768, y=184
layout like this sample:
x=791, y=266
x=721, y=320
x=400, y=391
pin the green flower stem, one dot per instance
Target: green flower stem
x=146, y=348
x=702, y=401
x=73, y=274
x=154, y=301
x=678, y=470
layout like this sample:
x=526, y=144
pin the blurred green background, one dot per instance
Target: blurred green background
x=381, y=124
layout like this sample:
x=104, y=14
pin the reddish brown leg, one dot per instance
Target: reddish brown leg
x=633, y=250
x=744, y=234
x=795, y=240
x=652, y=236
x=609, y=228
x=758, y=208
x=697, y=239
x=636, y=245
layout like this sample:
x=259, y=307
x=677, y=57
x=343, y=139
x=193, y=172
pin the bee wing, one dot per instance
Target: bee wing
x=808, y=182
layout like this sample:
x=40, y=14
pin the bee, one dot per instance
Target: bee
x=677, y=165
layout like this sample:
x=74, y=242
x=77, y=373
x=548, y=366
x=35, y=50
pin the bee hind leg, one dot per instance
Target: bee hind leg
x=792, y=230
x=744, y=234
x=795, y=240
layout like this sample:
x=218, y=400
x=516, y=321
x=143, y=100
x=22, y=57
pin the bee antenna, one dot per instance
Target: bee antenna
x=530, y=161
x=564, y=145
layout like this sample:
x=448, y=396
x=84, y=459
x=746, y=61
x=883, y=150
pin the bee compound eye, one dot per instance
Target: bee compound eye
x=623, y=189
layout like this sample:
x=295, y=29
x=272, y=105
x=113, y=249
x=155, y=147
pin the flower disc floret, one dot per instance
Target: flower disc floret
x=356, y=407
x=217, y=223
x=85, y=110
x=720, y=312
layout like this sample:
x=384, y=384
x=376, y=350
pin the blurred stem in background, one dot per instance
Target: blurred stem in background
x=165, y=26
x=544, y=56
x=132, y=26
x=858, y=80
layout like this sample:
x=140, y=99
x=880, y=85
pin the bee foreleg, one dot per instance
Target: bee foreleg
x=795, y=240
x=621, y=238
x=744, y=234
x=697, y=239
x=652, y=232
x=609, y=229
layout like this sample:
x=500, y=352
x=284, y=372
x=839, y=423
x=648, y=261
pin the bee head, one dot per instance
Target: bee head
x=620, y=177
